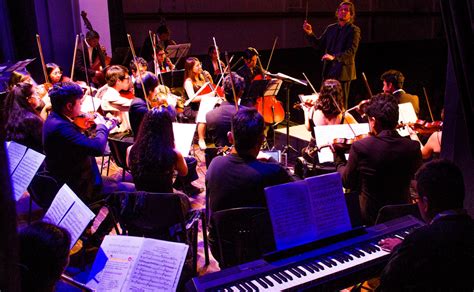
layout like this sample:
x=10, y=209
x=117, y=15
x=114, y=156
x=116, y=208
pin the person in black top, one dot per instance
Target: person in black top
x=440, y=255
x=339, y=42
x=248, y=71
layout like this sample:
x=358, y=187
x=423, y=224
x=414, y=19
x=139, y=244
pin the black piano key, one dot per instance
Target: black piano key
x=308, y=267
x=294, y=272
x=326, y=262
x=349, y=256
x=337, y=258
x=287, y=275
x=300, y=271
x=266, y=280
x=319, y=265
x=276, y=278
x=375, y=247
x=332, y=261
x=355, y=252
x=314, y=266
x=241, y=289
x=262, y=283
x=251, y=286
x=283, y=277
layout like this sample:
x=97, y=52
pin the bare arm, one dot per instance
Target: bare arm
x=181, y=166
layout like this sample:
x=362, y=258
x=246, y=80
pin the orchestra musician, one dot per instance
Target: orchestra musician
x=328, y=109
x=393, y=83
x=23, y=124
x=194, y=79
x=55, y=73
x=91, y=44
x=432, y=147
x=339, y=42
x=248, y=71
x=440, y=255
x=112, y=103
x=164, y=36
x=381, y=166
x=238, y=179
x=211, y=63
x=142, y=65
x=164, y=64
x=70, y=154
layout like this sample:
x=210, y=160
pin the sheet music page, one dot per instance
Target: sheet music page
x=158, y=266
x=329, y=210
x=15, y=153
x=25, y=171
x=90, y=104
x=326, y=134
x=273, y=87
x=114, y=262
x=207, y=104
x=69, y=212
x=183, y=137
x=406, y=114
x=289, y=208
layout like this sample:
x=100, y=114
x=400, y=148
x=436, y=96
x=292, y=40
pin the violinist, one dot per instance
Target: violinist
x=163, y=63
x=393, y=83
x=380, y=166
x=164, y=36
x=327, y=110
x=55, y=73
x=112, y=102
x=91, y=44
x=142, y=67
x=211, y=63
x=248, y=71
x=432, y=148
x=70, y=154
x=194, y=79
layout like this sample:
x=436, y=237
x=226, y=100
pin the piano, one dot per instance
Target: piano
x=335, y=265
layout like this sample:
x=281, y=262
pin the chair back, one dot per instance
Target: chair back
x=42, y=189
x=118, y=149
x=236, y=234
x=390, y=212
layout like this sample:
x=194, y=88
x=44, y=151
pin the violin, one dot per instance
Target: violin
x=85, y=121
x=343, y=144
x=422, y=127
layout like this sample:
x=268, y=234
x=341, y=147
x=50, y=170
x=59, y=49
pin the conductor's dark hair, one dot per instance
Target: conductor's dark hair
x=384, y=108
x=247, y=128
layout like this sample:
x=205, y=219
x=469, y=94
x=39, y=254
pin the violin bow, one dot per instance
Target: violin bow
x=74, y=57
x=85, y=70
x=231, y=82
x=428, y=103
x=306, y=14
x=132, y=49
x=40, y=49
x=227, y=68
x=218, y=58
x=271, y=54
x=153, y=40
x=367, y=84
x=310, y=84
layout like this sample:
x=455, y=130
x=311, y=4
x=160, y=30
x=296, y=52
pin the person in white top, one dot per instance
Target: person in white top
x=113, y=103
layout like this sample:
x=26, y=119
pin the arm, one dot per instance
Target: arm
x=118, y=102
x=181, y=166
x=188, y=86
x=347, y=56
x=347, y=169
x=92, y=146
x=308, y=114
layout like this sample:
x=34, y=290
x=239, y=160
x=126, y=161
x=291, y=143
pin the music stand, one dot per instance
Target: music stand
x=173, y=78
x=288, y=81
x=177, y=51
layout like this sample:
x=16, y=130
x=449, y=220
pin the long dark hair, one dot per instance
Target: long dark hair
x=154, y=145
x=331, y=91
x=16, y=103
x=188, y=69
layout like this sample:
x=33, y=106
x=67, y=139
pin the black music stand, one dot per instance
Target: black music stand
x=173, y=78
x=288, y=82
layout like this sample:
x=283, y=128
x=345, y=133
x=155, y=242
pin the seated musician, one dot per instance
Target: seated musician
x=219, y=119
x=164, y=36
x=211, y=64
x=81, y=66
x=111, y=102
x=248, y=71
x=153, y=157
x=393, y=83
x=239, y=179
x=328, y=109
x=70, y=154
x=55, y=73
x=139, y=109
x=440, y=255
x=164, y=64
x=380, y=166
x=432, y=147
x=142, y=65
x=194, y=79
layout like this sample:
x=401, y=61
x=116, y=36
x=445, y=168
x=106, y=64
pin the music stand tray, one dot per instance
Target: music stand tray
x=173, y=78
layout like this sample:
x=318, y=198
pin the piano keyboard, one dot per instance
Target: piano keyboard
x=334, y=262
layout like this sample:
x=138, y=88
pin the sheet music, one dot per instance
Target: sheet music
x=206, y=105
x=329, y=209
x=69, y=212
x=406, y=114
x=178, y=50
x=288, y=205
x=128, y=263
x=15, y=154
x=273, y=87
x=87, y=106
x=326, y=134
x=25, y=168
x=183, y=137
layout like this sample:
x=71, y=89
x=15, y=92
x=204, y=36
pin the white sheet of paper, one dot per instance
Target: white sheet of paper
x=25, y=168
x=128, y=263
x=206, y=105
x=406, y=114
x=87, y=105
x=183, y=137
x=69, y=212
x=328, y=205
x=326, y=134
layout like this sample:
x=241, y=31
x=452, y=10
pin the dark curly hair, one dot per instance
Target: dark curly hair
x=384, y=108
x=331, y=91
x=63, y=93
x=154, y=145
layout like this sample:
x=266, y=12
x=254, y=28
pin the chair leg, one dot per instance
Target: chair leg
x=108, y=166
x=195, y=247
x=102, y=165
x=204, y=236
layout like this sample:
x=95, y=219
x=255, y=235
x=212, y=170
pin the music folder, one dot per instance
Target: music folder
x=173, y=78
